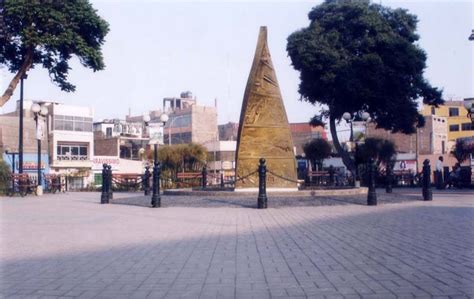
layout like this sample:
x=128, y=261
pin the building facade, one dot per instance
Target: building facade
x=458, y=123
x=302, y=133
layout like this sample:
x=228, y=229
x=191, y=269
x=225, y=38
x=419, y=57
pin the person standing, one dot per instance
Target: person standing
x=439, y=173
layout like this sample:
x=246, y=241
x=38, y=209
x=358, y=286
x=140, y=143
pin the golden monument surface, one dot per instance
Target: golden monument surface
x=264, y=131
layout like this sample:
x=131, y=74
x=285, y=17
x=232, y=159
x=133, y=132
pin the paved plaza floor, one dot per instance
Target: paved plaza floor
x=69, y=245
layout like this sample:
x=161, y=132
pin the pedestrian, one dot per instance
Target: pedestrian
x=439, y=173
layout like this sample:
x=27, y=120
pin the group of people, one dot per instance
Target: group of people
x=453, y=177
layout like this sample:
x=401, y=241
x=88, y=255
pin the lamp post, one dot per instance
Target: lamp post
x=39, y=111
x=350, y=118
x=20, y=135
x=155, y=197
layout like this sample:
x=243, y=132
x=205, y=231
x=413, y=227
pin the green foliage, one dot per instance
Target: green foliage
x=382, y=151
x=356, y=56
x=50, y=32
x=4, y=176
x=462, y=151
x=181, y=157
x=316, y=151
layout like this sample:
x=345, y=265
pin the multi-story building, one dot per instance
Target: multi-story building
x=187, y=122
x=71, y=142
x=459, y=124
x=228, y=131
x=9, y=140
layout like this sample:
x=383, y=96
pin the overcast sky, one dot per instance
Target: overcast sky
x=157, y=49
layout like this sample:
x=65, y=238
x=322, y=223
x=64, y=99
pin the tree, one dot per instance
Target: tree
x=382, y=151
x=356, y=56
x=462, y=151
x=180, y=157
x=316, y=151
x=49, y=33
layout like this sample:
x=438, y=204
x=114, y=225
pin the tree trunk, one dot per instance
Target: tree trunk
x=27, y=63
x=346, y=159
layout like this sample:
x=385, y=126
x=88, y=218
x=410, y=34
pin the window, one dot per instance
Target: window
x=72, y=152
x=466, y=126
x=108, y=132
x=433, y=110
x=453, y=111
x=453, y=128
x=72, y=123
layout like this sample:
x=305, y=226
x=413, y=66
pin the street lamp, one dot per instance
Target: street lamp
x=20, y=135
x=469, y=105
x=155, y=198
x=350, y=118
x=39, y=111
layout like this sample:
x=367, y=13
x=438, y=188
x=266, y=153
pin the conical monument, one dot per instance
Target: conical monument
x=264, y=131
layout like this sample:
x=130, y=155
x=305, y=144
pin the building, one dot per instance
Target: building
x=187, y=122
x=221, y=159
x=302, y=133
x=71, y=143
x=228, y=131
x=9, y=139
x=459, y=124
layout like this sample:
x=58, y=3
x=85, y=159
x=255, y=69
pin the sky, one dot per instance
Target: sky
x=158, y=49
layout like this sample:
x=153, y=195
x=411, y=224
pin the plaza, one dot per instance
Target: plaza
x=69, y=245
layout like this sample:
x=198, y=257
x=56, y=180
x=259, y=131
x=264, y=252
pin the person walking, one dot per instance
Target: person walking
x=439, y=173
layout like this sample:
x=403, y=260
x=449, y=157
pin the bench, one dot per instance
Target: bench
x=22, y=184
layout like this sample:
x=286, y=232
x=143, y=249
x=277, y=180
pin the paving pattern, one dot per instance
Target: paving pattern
x=69, y=245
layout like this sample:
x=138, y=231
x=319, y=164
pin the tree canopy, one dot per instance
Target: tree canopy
x=381, y=150
x=316, y=151
x=462, y=150
x=355, y=56
x=49, y=33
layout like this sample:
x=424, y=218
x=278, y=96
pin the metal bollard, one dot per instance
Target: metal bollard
x=331, y=175
x=222, y=181
x=104, y=197
x=156, y=197
x=262, y=185
x=426, y=189
x=371, y=195
x=109, y=185
x=389, y=186
x=146, y=180
x=204, y=177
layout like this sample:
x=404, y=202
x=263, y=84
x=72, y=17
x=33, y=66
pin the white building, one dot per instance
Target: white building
x=71, y=142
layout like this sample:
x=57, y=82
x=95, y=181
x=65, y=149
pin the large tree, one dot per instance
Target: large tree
x=316, y=151
x=49, y=33
x=354, y=57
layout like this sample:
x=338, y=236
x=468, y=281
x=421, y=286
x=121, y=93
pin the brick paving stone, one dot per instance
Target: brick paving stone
x=68, y=245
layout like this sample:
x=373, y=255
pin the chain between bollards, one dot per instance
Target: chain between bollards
x=262, y=185
x=371, y=195
x=104, y=198
x=156, y=197
x=146, y=180
x=426, y=190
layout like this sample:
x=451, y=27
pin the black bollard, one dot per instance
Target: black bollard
x=426, y=183
x=204, y=177
x=109, y=184
x=388, y=186
x=371, y=195
x=331, y=175
x=104, y=198
x=222, y=181
x=146, y=180
x=262, y=185
x=156, y=197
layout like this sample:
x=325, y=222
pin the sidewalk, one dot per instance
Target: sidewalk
x=70, y=245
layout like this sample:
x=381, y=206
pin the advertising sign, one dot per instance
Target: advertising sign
x=156, y=134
